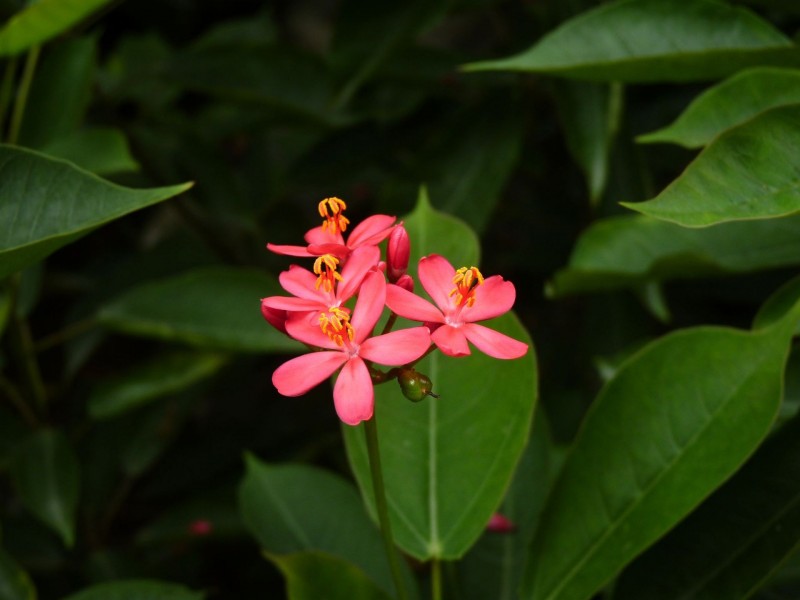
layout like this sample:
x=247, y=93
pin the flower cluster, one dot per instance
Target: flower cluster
x=319, y=311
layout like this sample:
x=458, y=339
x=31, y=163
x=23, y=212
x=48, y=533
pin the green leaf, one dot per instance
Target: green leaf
x=465, y=445
x=294, y=508
x=15, y=583
x=215, y=307
x=729, y=104
x=136, y=590
x=148, y=382
x=655, y=443
x=735, y=540
x=778, y=305
x=630, y=250
x=60, y=92
x=42, y=20
x=45, y=472
x=47, y=203
x=314, y=576
x=653, y=40
x=749, y=172
x=102, y=151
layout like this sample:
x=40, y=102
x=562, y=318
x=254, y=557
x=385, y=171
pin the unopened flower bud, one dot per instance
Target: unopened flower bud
x=500, y=524
x=406, y=282
x=415, y=386
x=398, y=251
x=274, y=316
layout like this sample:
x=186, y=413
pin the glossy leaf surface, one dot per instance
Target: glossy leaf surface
x=214, y=307
x=649, y=40
x=749, y=172
x=655, y=443
x=729, y=104
x=442, y=490
x=47, y=203
x=99, y=150
x=46, y=474
x=315, y=575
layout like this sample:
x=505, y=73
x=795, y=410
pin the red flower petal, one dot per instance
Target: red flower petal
x=292, y=304
x=411, y=306
x=297, y=376
x=493, y=342
x=360, y=261
x=369, y=306
x=289, y=250
x=371, y=231
x=308, y=331
x=492, y=299
x=319, y=236
x=398, y=347
x=302, y=283
x=436, y=276
x=353, y=394
x=451, y=340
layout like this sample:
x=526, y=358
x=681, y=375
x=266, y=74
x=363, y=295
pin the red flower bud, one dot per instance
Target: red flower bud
x=398, y=252
x=200, y=527
x=500, y=524
x=406, y=282
x=275, y=317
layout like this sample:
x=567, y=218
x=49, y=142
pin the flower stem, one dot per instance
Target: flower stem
x=22, y=94
x=436, y=579
x=371, y=432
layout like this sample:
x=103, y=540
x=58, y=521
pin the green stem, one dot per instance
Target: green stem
x=436, y=579
x=371, y=432
x=21, y=341
x=19, y=402
x=22, y=94
x=6, y=89
x=69, y=332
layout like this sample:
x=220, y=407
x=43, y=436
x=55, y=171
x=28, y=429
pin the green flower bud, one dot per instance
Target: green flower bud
x=415, y=386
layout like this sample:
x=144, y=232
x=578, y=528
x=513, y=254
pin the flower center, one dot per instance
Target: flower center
x=336, y=325
x=331, y=209
x=466, y=280
x=325, y=269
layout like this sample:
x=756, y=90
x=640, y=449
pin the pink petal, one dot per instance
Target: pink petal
x=451, y=340
x=493, y=342
x=398, y=347
x=369, y=306
x=289, y=250
x=297, y=376
x=371, y=231
x=293, y=304
x=492, y=299
x=436, y=276
x=308, y=331
x=411, y=306
x=276, y=318
x=353, y=394
x=338, y=250
x=302, y=283
x=318, y=236
x=358, y=263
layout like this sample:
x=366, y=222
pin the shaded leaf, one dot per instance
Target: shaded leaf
x=15, y=583
x=627, y=251
x=315, y=575
x=215, y=307
x=136, y=590
x=47, y=203
x=40, y=21
x=145, y=383
x=749, y=172
x=729, y=104
x=45, y=472
x=99, y=150
x=649, y=40
x=655, y=443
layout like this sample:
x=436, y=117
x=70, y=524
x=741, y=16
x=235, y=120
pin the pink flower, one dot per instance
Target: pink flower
x=500, y=524
x=398, y=251
x=462, y=297
x=347, y=345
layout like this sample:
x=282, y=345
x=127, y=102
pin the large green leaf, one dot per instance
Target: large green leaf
x=653, y=40
x=43, y=20
x=46, y=474
x=295, y=508
x=15, y=583
x=730, y=545
x=216, y=307
x=655, y=443
x=136, y=590
x=315, y=575
x=101, y=150
x=728, y=104
x=47, y=203
x=448, y=461
x=749, y=172
x=630, y=250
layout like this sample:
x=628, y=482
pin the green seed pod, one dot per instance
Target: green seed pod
x=415, y=386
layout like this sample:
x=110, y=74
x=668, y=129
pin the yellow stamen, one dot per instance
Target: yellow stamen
x=325, y=267
x=336, y=324
x=331, y=209
x=466, y=281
